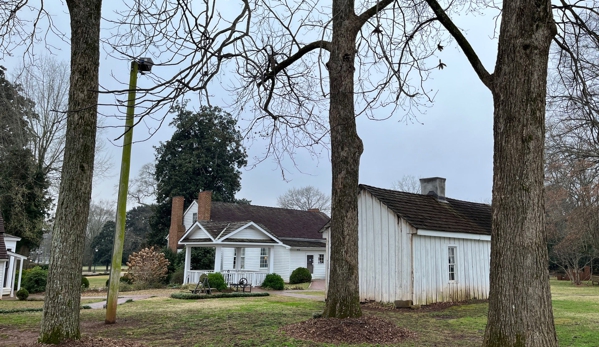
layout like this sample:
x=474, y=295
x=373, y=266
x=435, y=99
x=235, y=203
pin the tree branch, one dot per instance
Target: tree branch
x=371, y=12
x=478, y=66
x=295, y=57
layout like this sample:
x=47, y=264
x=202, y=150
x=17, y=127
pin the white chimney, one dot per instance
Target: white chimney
x=433, y=186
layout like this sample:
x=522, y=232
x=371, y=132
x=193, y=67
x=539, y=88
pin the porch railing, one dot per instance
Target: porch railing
x=231, y=276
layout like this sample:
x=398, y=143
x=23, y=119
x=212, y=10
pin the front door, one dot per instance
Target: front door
x=310, y=265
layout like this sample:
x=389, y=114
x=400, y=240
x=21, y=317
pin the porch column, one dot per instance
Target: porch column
x=10, y=275
x=218, y=259
x=187, y=266
x=20, y=274
x=271, y=263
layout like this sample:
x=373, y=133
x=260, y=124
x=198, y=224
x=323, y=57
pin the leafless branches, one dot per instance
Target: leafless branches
x=272, y=57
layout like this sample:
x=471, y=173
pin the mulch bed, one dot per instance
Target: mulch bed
x=366, y=329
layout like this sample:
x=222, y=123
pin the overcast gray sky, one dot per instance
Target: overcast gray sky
x=452, y=139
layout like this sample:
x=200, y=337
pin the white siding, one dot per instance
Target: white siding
x=300, y=259
x=188, y=217
x=252, y=259
x=281, y=262
x=249, y=233
x=431, y=278
x=384, y=252
x=228, y=258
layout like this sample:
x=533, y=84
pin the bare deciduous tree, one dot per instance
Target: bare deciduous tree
x=293, y=57
x=46, y=83
x=408, y=184
x=144, y=186
x=99, y=213
x=305, y=198
x=60, y=320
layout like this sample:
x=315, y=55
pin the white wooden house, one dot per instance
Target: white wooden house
x=422, y=248
x=8, y=262
x=249, y=241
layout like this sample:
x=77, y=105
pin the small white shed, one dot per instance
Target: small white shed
x=422, y=248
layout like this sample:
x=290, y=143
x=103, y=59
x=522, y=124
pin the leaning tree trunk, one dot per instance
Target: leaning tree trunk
x=520, y=311
x=343, y=297
x=60, y=319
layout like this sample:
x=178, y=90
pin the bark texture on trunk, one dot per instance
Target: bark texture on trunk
x=343, y=297
x=60, y=320
x=520, y=312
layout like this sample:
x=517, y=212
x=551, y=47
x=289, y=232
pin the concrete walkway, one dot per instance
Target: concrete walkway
x=315, y=286
x=121, y=300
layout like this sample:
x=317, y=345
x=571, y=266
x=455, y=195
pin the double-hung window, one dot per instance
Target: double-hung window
x=451, y=251
x=239, y=257
x=263, y=258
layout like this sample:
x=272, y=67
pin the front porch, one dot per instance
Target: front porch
x=255, y=278
x=252, y=262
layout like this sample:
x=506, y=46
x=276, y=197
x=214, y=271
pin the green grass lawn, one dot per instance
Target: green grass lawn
x=161, y=321
x=96, y=282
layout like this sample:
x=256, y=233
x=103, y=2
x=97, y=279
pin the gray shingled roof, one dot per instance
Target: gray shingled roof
x=281, y=222
x=426, y=212
x=3, y=254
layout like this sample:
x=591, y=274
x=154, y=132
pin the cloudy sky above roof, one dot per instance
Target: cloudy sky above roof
x=452, y=139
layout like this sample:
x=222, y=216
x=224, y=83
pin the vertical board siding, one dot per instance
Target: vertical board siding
x=384, y=252
x=431, y=270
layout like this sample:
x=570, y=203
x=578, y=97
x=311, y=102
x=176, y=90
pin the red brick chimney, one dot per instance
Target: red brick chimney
x=204, y=205
x=313, y=210
x=177, y=228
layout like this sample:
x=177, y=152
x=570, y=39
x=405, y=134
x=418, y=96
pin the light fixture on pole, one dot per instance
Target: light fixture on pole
x=141, y=65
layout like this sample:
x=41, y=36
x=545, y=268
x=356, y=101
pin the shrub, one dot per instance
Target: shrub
x=34, y=280
x=273, y=281
x=148, y=266
x=300, y=275
x=84, y=282
x=177, y=277
x=22, y=294
x=217, y=281
x=126, y=278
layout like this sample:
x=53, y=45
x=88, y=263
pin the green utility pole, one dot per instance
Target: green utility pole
x=141, y=65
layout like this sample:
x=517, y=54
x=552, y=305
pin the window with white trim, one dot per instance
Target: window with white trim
x=194, y=217
x=451, y=251
x=263, y=258
x=321, y=259
x=241, y=258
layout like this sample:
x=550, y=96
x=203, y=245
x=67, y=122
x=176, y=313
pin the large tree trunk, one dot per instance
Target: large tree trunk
x=343, y=297
x=60, y=319
x=520, y=311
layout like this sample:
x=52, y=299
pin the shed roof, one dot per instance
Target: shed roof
x=426, y=212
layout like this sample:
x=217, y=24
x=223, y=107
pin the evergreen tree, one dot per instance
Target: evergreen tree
x=204, y=153
x=23, y=186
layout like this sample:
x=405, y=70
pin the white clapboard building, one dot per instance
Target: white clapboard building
x=422, y=248
x=249, y=241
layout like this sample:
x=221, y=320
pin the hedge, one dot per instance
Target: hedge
x=191, y=296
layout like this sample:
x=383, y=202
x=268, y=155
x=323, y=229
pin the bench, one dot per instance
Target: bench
x=243, y=283
x=594, y=279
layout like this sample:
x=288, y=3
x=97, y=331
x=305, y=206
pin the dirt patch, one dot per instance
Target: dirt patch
x=92, y=342
x=367, y=329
